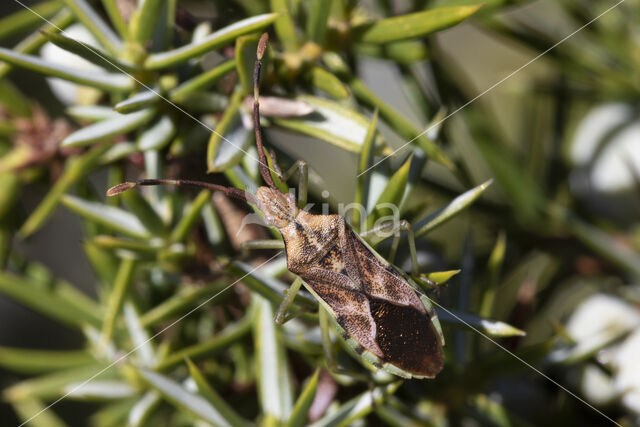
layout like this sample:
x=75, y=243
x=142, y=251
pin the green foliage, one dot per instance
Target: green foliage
x=182, y=329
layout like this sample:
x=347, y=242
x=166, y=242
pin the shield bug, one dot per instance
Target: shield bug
x=376, y=307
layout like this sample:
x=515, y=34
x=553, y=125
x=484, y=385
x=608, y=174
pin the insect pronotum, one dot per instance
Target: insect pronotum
x=376, y=308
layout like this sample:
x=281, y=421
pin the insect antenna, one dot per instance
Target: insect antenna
x=229, y=191
x=264, y=166
x=236, y=193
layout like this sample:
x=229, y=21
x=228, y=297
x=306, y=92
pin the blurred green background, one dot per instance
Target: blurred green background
x=550, y=248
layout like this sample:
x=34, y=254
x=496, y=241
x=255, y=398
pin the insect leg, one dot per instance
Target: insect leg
x=340, y=374
x=411, y=238
x=260, y=244
x=301, y=167
x=289, y=295
x=394, y=228
x=325, y=333
x=329, y=351
x=394, y=247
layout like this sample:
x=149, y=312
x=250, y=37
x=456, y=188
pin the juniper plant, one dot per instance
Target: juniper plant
x=182, y=330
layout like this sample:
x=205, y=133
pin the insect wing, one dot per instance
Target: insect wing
x=407, y=328
x=385, y=322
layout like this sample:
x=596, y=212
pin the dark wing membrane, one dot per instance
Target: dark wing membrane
x=407, y=338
